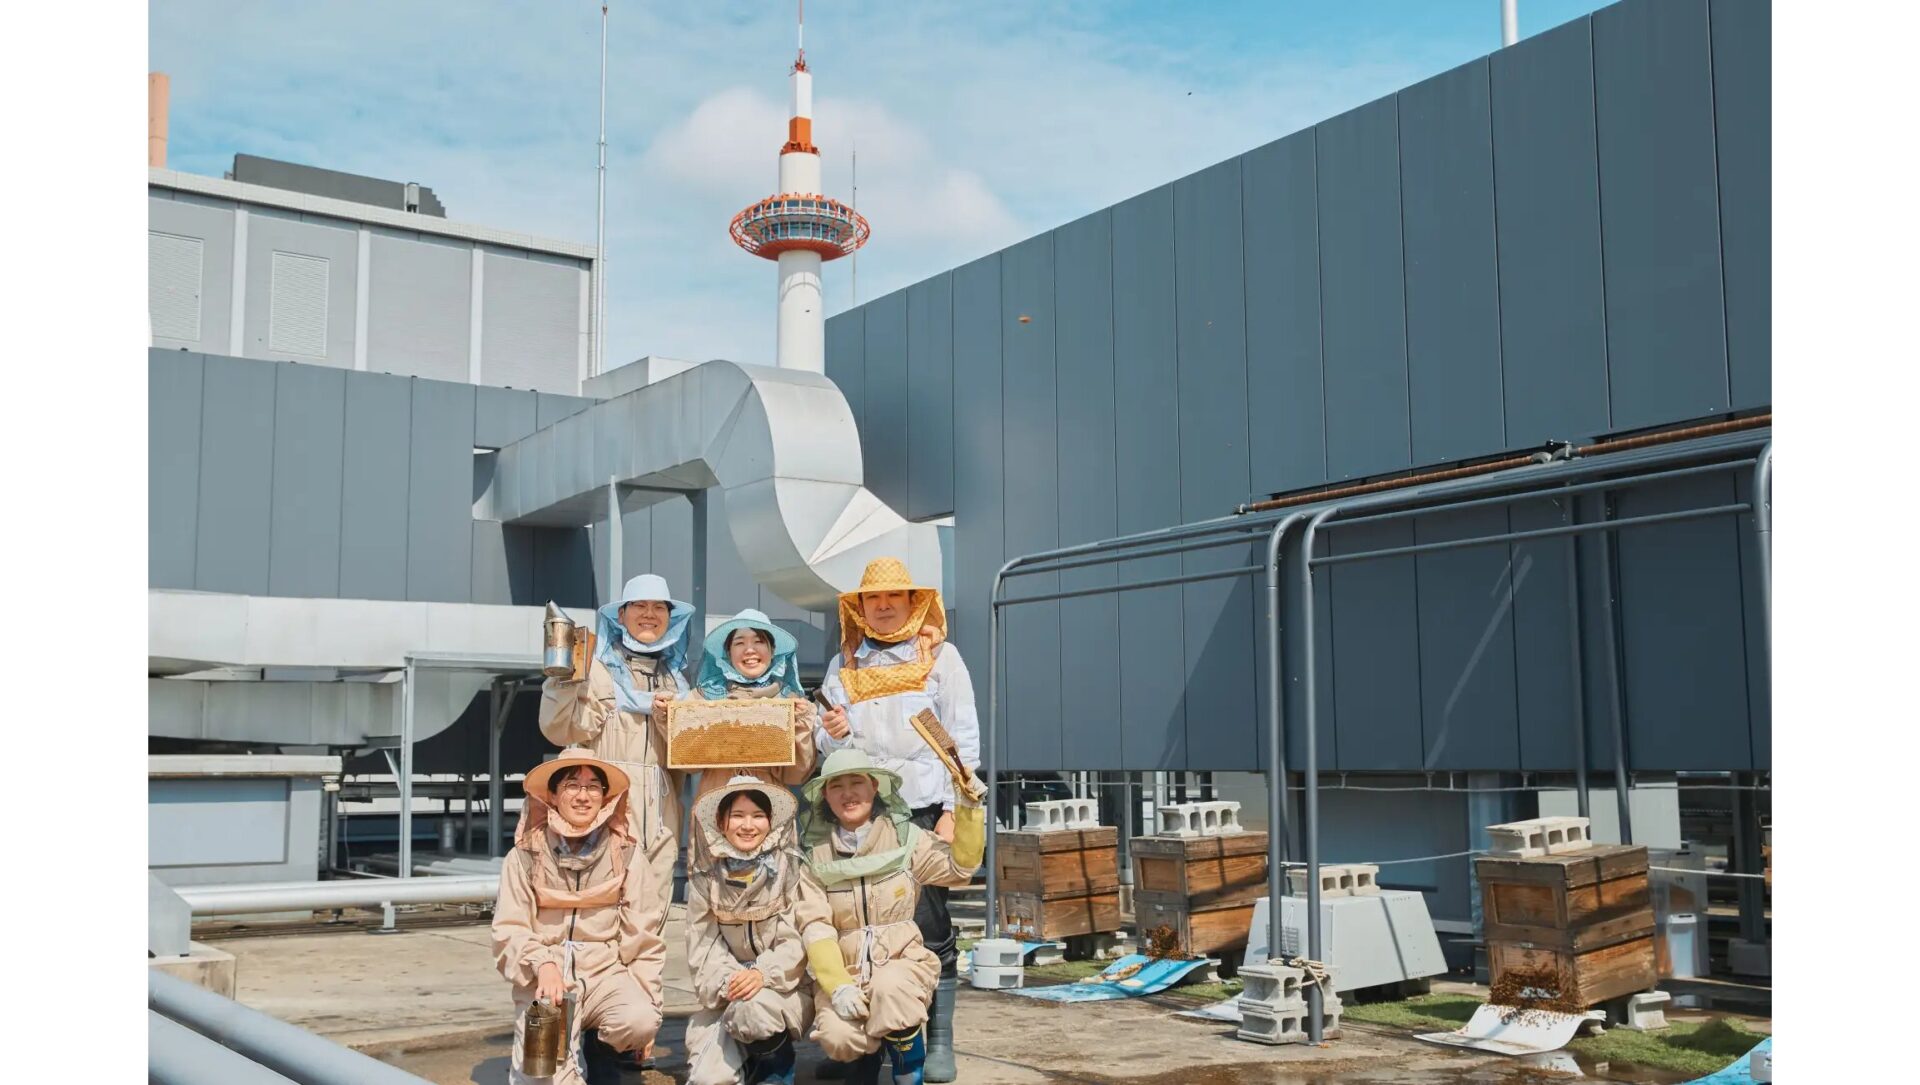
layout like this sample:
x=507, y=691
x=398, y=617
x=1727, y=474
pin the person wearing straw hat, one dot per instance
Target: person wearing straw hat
x=867, y=865
x=576, y=916
x=744, y=951
x=749, y=657
x=637, y=666
x=894, y=662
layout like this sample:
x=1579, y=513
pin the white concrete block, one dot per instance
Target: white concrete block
x=1178, y=819
x=1363, y=879
x=1332, y=881
x=996, y=977
x=1647, y=1011
x=1518, y=838
x=1047, y=816
x=1287, y=1024
x=1565, y=834
x=1270, y=984
x=997, y=953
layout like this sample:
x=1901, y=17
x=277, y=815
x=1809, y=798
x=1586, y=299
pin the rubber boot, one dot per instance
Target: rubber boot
x=602, y=1062
x=908, y=1050
x=866, y=1069
x=940, y=1032
x=770, y=1061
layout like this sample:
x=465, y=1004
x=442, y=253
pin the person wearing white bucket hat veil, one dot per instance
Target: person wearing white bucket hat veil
x=744, y=951
x=637, y=667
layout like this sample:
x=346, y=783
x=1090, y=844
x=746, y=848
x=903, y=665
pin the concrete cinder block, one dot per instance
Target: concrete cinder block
x=203, y=966
x=1271, y=984
x=1178, y=819
x=997, y=953
x=1363, y=879
x=996, y=977
x=1565, y=834
x=1539, y=836
x=1647, y=1011
x=1048, y=815
x=1287, y=1024
x=1335, y=881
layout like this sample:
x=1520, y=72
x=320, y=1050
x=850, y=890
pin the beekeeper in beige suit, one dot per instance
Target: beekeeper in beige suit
x=616, y=712
x=577, y=914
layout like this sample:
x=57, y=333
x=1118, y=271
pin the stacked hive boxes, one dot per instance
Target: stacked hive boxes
x=1201, y=880
x=1570, y=921
x=1273, y=1005
x=1061, y=879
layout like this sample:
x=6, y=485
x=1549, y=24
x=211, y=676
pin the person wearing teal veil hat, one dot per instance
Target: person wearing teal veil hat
x=638, y=664
x=746, y=658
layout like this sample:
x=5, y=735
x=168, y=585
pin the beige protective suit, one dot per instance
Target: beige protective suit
x=716, y=950
x=880, y=945
x=588, y=714
x=610, y=954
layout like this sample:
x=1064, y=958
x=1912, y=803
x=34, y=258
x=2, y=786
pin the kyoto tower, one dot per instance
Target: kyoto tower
x=800, y=229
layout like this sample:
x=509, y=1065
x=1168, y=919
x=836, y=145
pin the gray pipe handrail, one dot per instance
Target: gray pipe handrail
x=286, y=1049
x=1527, y=482
x=177, y=1055
x=246, y=900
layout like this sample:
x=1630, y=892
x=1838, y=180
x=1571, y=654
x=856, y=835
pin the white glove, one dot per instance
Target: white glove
x=849, y=1002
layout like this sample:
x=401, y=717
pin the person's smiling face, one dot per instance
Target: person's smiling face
x=850, y=797
x=645, y=620
x=751, y=652
x=743, y=823
x=579, y=795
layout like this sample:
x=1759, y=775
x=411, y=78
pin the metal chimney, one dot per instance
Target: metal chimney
x=158, y=91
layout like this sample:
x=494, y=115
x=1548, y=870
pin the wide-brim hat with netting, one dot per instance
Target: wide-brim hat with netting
x=852, y=762
x=706, y=809
x=539, y=779
x=889, y=574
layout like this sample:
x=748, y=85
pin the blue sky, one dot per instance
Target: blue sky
x=978, y=124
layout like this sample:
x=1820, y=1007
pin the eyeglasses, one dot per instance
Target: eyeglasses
x=591, y=787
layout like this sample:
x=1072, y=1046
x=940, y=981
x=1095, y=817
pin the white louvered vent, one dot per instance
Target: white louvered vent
x=173, y=285
x=297, y=321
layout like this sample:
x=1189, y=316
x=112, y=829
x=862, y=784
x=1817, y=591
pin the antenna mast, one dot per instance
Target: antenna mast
x=600, y=242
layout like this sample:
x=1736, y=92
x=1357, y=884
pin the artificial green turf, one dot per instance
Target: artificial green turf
x=1684, y=1046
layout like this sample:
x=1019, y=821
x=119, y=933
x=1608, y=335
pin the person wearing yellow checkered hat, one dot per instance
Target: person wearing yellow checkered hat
x=893, y=663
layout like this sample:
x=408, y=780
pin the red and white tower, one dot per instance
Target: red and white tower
x=800, y=229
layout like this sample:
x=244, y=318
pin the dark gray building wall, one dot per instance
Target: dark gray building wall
x=315, y=181
x=1564, y=240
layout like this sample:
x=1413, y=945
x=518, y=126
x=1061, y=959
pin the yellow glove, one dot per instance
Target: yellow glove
x=969, y=835
x=829, y=970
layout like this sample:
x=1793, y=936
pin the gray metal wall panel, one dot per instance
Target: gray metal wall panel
x=1453, y=295
x=846, y=364
x=373, y=496
x=1682, y=623
x=1032, y=664
x=672, y=546
x=236, y=476
x=1553, y=335
x=309, y=429
x=1542, y=649
x=502, y=564
x=1743, y=134
x=550, y=408
x=930, y=398
x=213, y=226
x=1153, y=721
x=337, y=243
x=1376, y=651
x=1469, y=716
x=440, y=493
x=502, y=416
x=1215, y=472
x=1604, y=716
x=1089, y=489
x=1659, y=220
x=730, y=587
x=173, y=466
x=563, y=567
x=1363, y=297
x=529, y=323
x=419, y=317
x=1287, y=438
x=978, y=483
x=883, y=430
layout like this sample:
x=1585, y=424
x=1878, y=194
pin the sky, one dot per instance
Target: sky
x=977, y=124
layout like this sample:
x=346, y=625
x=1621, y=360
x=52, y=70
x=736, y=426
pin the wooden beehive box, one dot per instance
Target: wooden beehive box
x=730, y=734
x=1059, y=884
x=1580, y=921
x=1202, y=887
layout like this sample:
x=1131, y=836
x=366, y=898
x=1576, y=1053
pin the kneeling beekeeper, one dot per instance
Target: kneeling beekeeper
x=743, y=944
x=866, y=865
x=574, y=927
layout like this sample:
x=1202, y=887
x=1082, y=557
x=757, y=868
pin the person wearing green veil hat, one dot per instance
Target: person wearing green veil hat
x=748, y=658
x=867, y=863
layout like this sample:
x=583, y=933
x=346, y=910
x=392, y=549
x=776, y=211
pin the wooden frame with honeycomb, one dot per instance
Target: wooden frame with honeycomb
x=731, y=734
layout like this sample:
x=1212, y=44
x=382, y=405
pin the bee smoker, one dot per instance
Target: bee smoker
x=557, y=659
x=543, y=1045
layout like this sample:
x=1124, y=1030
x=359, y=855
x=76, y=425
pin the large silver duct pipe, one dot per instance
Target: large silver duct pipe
x=286, y=1049
x=177, y=1055
x=246, y=900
